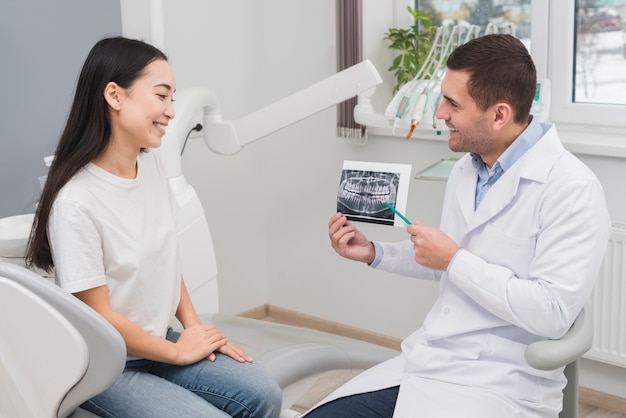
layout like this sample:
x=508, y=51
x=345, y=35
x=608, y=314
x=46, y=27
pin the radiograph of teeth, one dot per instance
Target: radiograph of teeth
x=361, y=195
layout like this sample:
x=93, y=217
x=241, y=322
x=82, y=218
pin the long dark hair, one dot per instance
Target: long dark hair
x=500, y=68
x=88, y=129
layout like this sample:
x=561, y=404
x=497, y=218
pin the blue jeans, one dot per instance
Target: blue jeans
x=221, y=388
x=377, y=404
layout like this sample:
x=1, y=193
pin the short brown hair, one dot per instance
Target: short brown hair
x=500, y=69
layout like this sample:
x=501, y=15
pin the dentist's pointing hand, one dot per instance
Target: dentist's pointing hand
x=433, y=248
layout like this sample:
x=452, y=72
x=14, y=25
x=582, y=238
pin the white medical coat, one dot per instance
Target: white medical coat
x=529, y=258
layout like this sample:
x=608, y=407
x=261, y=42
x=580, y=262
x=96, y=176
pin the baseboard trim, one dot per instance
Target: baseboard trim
x=602, y=400
x=287, y=316
x=260, y=312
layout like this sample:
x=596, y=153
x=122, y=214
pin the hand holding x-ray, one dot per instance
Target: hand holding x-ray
x=348, y=241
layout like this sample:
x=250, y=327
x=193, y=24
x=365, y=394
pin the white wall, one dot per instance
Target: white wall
x=268, y=206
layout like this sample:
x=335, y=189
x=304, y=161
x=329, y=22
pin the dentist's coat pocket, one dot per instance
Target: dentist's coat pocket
x=515, y=253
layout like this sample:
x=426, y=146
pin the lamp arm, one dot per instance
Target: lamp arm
x=190, y=105
x=227, y=138
x=326, y=93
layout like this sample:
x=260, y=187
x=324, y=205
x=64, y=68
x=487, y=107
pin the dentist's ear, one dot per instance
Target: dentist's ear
x=502, y=114
x=112, y=95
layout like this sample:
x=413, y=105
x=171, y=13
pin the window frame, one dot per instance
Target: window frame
x=561, y=73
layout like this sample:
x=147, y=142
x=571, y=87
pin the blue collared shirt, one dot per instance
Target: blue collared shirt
x=529, y=137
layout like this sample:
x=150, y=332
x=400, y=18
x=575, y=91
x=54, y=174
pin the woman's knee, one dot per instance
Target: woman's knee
x=243, y=390
x=265, y=397
x=273, y=400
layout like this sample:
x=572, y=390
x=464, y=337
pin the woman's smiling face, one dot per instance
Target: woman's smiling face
x=147, y=106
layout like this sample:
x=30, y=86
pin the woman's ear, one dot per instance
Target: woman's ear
x=113, y=95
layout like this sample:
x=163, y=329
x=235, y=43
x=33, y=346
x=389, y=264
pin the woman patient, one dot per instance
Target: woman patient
x=106, y=223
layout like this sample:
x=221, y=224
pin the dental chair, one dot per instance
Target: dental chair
x=56, y=352
x=553, y=354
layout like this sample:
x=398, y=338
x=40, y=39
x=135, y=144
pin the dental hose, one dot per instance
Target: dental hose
x=416, y=117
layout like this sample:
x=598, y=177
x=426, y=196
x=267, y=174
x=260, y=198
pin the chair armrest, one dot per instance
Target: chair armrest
x=552, y=354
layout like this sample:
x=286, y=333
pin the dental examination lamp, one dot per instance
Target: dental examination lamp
x=227, y=138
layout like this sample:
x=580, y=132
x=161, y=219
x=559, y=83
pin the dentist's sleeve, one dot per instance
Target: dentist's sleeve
x=399, y=258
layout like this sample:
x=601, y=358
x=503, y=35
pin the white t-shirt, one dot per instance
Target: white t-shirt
x=107, y=230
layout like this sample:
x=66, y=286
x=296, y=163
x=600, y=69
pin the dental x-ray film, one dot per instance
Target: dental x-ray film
x=366, y=186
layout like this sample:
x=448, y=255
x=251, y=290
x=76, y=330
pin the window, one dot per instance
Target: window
x=580, y=45
x=502, y=16
x=587, y=71
x=600, y=53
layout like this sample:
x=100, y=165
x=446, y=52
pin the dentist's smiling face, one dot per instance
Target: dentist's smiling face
x=470, y=127
x=146, y=107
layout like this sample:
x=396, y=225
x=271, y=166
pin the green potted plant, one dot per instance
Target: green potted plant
x=412, y=44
